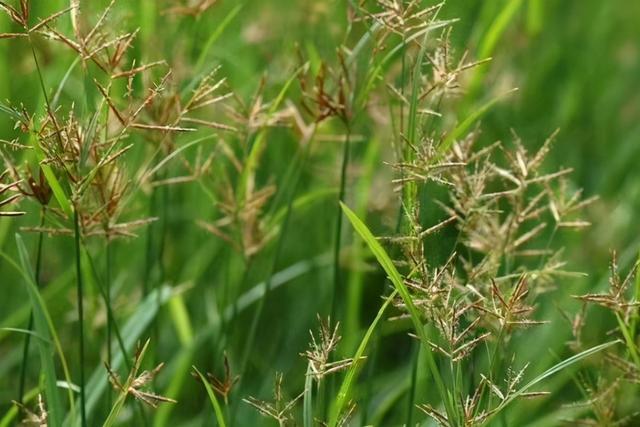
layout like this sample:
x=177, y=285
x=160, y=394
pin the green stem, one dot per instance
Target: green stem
x=27, y=338
x=76, y=223
x=114, y=325
x=412, y=389
x=115, y=330
x=328, y=387
x=276, y=261
x=107, y=301
x=338, y=229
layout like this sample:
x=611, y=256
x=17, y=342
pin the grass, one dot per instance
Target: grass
x=193, y=185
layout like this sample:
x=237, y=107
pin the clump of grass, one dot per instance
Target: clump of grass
x=619, y=368
x=471, y=256
x=81, y=152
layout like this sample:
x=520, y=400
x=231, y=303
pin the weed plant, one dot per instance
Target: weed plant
x=185, y=210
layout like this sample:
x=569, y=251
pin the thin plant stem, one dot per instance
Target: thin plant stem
x=108, y=262
x=276, y=261
x=338, y=229
x=412, y=388
x=328, y=387
x=27, y=338
x=79, y=282
x=115, y=330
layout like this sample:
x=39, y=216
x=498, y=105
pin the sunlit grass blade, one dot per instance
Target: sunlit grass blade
x=180, y=319
x=395, y=277
x=307, y=400
x=217, y=409
x=202, y=57
x=551, y=371
x=498, y=27
x=257, y=148
x=464, y=126
x=52, y=180
x=13, y=412
x=344, y=393
x=124, y=393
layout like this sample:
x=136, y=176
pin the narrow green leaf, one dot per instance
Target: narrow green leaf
x=180, y=318
x=212, y=397
x=498, y=27
x=307, y=402
x=344, y=394
x=42, y=328
x=463, y=126
x=122, y=396
x=131, y=333
x=215, y=36
x=13, y=412
x=535, y=17
x=551, y=371
x=258, y=145
x=50, y=176
x=387, y=264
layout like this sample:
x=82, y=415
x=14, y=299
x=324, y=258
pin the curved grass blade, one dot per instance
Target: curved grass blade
x=12, y=413
x=212, y=397
x=215, y=36
x=259, y=143
x=182, y=362
x=131, y=332
x=122, y=396
x=387, y=264
x=42, y=323
x=50, y=176
x=491, y=38
x=463, y=126
x=344, y=393
x=551, y=371
x=498, y=27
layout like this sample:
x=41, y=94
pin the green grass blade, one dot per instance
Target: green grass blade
x=42, y=323
x=463, y=126
x=131, y=333
x=50, y=176
x=535, y=17
x=212, y=397
x=498, y=27
x=258, y=145
x=628, y=340
x=344, y=394
x=115, y=409
x=12, y=413
x=180, y=318
x=63, y=82
x=395, y=277
x=122, y=397
x=490, y=41
x=215, y=36
x=553, y=370
x=307, y=402
x=636, y=297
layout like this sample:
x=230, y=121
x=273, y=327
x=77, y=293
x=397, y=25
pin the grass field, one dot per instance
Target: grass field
x=341, y=213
